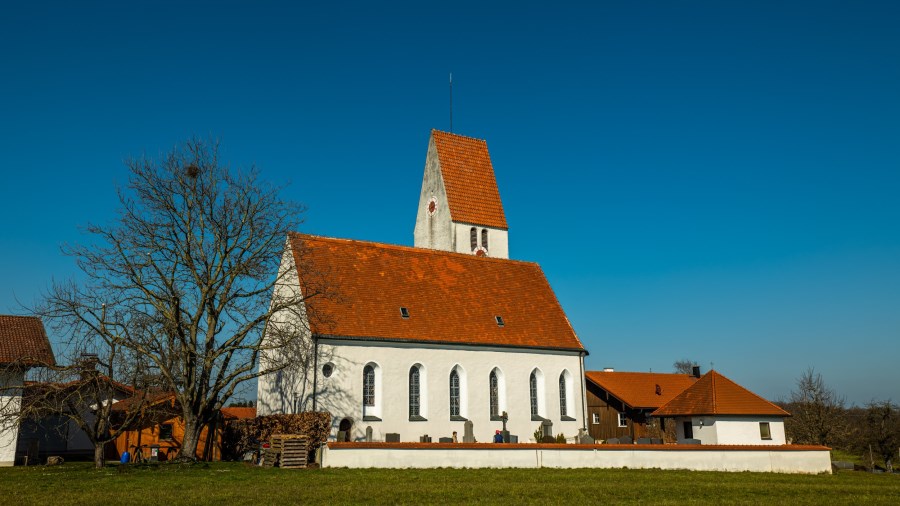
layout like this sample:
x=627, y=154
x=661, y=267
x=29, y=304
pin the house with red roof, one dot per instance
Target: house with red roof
x=417, y=341
x=717, y=411
x=23, y=344
x=160, y=432
x=619, y=403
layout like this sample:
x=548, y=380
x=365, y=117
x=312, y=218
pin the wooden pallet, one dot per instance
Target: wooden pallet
x=291, y=449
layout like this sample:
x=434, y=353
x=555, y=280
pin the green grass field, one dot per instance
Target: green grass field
x=237, y=484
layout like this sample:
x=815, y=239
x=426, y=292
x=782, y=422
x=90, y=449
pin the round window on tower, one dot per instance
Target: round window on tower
x=327, y=369
x=432, y=206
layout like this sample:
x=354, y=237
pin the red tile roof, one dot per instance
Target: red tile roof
x=469, y=180
x=639, y=389
x=451, y=297
x=144, y=400
x=23, y=340
x=235, y=413
x=714, y=394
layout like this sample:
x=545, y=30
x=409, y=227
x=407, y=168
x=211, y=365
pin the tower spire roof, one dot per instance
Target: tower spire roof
x=472, y=193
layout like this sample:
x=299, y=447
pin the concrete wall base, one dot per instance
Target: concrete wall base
x=777, y=459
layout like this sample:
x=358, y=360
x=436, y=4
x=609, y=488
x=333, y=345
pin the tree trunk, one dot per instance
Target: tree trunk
x=99, y=455
x=191, y=438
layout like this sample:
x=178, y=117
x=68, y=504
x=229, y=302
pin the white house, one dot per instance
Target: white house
x=23, y=344
x=418, y=340
x=718, y=411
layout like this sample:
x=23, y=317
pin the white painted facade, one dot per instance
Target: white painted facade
x=435, y=229
x=732, y=430
x=341, y=394
x=778, y=460
x=10, y=404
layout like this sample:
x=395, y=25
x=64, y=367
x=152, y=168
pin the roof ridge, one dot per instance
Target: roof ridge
x=458, y=135
x=401, y=247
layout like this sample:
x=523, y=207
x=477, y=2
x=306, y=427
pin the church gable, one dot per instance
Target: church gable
x=386, y=292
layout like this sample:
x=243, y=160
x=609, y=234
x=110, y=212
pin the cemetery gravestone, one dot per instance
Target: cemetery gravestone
x=468, y=432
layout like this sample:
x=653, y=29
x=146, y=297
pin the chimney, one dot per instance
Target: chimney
x=695, y=371
x=88, y=365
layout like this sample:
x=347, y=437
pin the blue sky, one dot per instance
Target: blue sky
x=713, y=180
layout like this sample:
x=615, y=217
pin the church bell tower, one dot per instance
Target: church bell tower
x=459, y=207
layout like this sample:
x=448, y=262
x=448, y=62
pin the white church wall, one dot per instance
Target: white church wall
x=341, y=394
x=498, y=240
x=288, y=390
x=433, y=230
x=10, y=403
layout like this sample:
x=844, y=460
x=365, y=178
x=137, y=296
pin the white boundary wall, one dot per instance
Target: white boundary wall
x=810, y=461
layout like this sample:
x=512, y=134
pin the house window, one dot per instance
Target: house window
x=165, y=432
x=369, y=386
x=454, y=393
x=765, y=432
x=533, y=393
x=473, y=238
x=688, y=430
x=327, y=370
x=495, y=394
x=414, y=404
x=595, y=418
x=623, y=420
x=484, y=238
x=562, y=395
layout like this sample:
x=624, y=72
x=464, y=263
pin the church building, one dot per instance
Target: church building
x=419, y=340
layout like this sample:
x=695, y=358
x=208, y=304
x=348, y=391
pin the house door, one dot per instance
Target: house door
x=344, y=430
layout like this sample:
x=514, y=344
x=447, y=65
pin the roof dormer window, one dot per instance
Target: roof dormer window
x=404, y=312
x=499, y=321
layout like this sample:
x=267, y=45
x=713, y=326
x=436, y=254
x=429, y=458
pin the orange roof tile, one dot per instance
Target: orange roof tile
x=451, y=297
x=236, y=413
x=639, y=389
x=23, y=339
x=469, y=180
x=714, y=394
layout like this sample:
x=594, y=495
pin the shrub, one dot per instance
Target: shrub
x=561, y=438
x=241, y=436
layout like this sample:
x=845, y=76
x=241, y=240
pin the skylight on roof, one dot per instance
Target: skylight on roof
x=404, y=313
x=499, y=321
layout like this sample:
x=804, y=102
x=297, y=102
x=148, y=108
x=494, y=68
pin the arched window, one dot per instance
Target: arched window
x=484, y=240
x=473, y=236
x=372, y=392
x=369, y=386
x=414, y=398
x=533, y=393
x=495, y=395
x=454, y=393
x=563, y=404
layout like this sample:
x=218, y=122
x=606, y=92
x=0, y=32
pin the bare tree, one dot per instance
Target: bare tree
x=684, y=366
x=81, y=397
x=818, y=412
x=189, y=275
x=881, y=431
